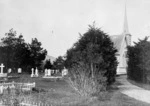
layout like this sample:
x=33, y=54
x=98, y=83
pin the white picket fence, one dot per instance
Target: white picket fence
x=28, y=103
x=23, y=86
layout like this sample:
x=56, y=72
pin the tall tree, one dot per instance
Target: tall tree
x=17, y=53
x=38, y=54
x=95, y=50
x=59, y=63
x=10, y=41
x=48, y=64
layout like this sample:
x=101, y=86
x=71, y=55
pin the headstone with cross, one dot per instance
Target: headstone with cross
x=1, y=66
x=2, y=74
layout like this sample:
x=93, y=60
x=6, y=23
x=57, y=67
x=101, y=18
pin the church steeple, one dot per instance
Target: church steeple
x=125, y=27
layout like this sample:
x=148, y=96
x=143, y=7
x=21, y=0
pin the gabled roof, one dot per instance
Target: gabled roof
x=117, y=40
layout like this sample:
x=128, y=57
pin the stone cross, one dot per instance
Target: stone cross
x=1, y=66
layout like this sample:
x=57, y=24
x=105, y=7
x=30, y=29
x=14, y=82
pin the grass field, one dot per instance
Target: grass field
x=61, y=94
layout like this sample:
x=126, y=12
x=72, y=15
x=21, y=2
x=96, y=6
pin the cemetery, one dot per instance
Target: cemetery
x=27, y=82
x=97, y=70
x=29, y=87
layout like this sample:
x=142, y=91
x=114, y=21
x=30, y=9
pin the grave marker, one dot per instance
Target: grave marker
x=19, y=70
x=64, y=72
x=49, y=72
x=32, y=73
x=1, y=71
x=1, y=66
x=9, y=70
x=36, y=72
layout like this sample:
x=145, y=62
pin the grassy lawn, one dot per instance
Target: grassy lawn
x=61, y=94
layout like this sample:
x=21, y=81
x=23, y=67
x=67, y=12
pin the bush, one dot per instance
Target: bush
x=91, y=62
x=85, y=85
x=139, y=61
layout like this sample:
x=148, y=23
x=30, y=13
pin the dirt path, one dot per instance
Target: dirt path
x=133, y=91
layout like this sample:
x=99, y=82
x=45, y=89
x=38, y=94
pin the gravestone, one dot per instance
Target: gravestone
x=19, y=70
x=46, y=72
x=36, y=72
x=32, y=72
x=1, y=72
x=49, y=72
x=9, y=70
x=64, y=72
x=2, y=66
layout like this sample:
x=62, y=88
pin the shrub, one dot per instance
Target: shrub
x=139, y=61
x=85, y=85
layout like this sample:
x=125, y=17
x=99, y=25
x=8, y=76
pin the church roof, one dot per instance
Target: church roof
x=117, y=40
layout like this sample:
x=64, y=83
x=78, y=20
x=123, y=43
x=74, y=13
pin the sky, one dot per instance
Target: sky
x=57, y=23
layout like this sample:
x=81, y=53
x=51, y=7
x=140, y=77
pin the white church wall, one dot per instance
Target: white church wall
x=122, y=58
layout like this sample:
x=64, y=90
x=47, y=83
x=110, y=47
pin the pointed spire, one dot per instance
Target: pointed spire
x=125, y=27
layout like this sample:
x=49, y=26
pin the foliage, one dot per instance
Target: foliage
x=85, y=85
x=16, y=53
x=37, y=54
x=59, y=63
x=48, y=64
x=14, y=50
x=139, y=61
x=94, y=56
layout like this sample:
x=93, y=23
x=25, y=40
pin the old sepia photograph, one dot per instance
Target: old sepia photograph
x=74, y=53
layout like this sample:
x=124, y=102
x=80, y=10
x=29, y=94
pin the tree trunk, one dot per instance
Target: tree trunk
x=92, y=70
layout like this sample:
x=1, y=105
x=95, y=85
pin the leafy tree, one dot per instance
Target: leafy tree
x=37, y=53
x=95, y=50
x=17, y=53
x=48, y=64
x=139, y=61
x=3, y=56
x=14, y=47
x=59, y=63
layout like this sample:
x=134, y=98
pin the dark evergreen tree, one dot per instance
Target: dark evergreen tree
x=59, y=63
x=37, y=53
x=139, y=61
x=17, y=53
x=13, y=49
x=48, y=64
x=95, y=50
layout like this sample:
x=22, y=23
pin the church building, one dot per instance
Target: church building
x=121, y=42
